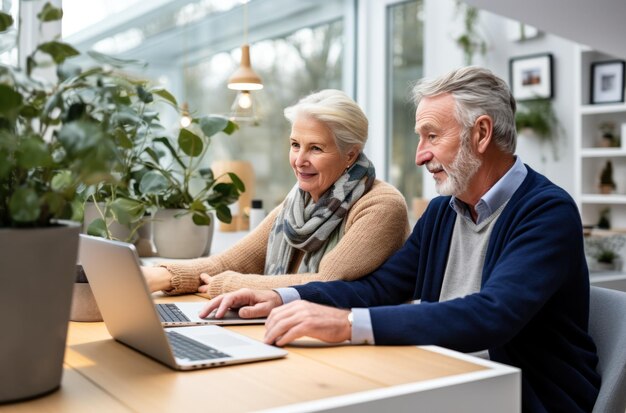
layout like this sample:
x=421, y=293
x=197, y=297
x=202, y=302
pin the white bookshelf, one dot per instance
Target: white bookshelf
x=590, y=158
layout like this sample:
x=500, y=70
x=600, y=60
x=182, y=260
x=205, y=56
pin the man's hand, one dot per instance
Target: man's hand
x=251, y=303
x=302, y=318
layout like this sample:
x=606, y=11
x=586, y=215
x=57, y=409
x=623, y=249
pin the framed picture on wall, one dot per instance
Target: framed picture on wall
x=531, y=77
x=607, y=81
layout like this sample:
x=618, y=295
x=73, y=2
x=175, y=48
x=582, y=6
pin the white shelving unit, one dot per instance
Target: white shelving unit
x=590, y=159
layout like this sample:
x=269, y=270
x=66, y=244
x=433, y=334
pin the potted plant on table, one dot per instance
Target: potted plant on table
x=115, y=210
x=51, y=144
x=184, y=193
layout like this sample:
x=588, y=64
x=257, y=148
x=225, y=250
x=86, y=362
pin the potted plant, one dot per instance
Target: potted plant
x=607, y=184
x=184, y=192
x=116, y=210
x=470, y=41
x=605, y=251
x=52, y=143
x=608, y=137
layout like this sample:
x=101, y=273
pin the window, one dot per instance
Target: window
x=291, y=67
x=405, y=66
x=8, y=40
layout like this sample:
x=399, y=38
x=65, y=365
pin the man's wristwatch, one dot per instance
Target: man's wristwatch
x=350, y=318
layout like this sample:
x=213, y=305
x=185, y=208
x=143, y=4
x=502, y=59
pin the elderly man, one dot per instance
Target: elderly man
x=497, y=261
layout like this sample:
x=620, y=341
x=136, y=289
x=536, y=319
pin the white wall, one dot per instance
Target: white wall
x=442, y=54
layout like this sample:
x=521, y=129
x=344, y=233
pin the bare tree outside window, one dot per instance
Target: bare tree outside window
x=405, y=66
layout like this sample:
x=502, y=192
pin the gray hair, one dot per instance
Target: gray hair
x=338, y=112
x=476, y=91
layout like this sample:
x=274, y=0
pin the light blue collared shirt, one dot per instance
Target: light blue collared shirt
x=496, y=196
x=501, y=192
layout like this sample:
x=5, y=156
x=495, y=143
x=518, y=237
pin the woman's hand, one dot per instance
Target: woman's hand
x=205, y=280
x=251, y=303
x=157, y=278
x=302, y=318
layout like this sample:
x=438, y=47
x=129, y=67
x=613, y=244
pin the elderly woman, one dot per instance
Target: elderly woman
x=338, y=221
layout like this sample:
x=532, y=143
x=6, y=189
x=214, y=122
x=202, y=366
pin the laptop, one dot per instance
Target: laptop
x=131, y=318
x=186, y=314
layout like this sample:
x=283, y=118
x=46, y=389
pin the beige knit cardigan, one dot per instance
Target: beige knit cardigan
x=376, y=226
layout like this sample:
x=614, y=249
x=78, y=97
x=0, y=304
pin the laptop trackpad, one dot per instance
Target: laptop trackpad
x=221, y=340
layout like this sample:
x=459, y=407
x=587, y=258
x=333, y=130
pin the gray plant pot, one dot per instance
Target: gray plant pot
x=37, y=272
x=84, y=306
x=176, y=236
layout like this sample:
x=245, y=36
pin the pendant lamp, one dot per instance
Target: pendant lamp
x=244, y=80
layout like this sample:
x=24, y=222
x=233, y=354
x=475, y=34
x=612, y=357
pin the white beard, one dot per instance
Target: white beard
x=459, y=173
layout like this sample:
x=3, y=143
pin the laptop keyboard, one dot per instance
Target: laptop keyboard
x=187, y=348
x=170, y=313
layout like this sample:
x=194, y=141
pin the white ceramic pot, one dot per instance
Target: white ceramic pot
x=176, y=236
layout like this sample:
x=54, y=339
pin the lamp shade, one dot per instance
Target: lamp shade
x=244, y=77
x=243, y=108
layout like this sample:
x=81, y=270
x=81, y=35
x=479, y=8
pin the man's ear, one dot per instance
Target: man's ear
x=482, y=132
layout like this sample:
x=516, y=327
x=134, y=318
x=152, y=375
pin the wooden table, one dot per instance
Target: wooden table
x=104, y=375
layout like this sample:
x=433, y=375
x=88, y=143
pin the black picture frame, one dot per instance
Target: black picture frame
x=607, y=82
x=531, y=77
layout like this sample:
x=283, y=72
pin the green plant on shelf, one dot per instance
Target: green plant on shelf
x=604, y=249
x=608, y=136
x=607, y=184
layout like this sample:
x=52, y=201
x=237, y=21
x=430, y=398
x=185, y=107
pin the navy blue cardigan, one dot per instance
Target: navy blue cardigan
x=531, y=312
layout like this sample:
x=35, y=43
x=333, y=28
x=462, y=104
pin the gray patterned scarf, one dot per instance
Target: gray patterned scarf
x=315, y=228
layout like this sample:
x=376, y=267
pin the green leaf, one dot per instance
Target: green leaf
x=6, y=21
x=56, y=205
x=97, y=228
x=153, y=183
x=230, y=128
x=165, y=95
x=10, y=100
x=126, y=211
x=169, y=146
x=33, y=152
x=114, y=61
x=75, y=111
x=122, y=139
x=190, y=143
x=67, y=71
x=5, y=167
x=29, y=112
x=207, y=175
x=125, y=116
x=201, y=218
x=238, y=182
x=24, y=205
x=78, y=210
x=61, y=180
x=144, y=96
x=197, y=206
x=153, y=154
x=50, y=13
x=30, y=65
x=223, y=214
x=213, y=124
x=59, y=51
